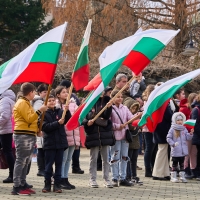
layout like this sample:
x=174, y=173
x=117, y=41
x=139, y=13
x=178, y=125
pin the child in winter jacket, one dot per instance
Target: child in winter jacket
x=55, y=143
x=73, y=137
x=119, y=152
x=177, y=137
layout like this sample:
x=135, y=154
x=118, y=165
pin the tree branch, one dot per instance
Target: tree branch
x=164, y=3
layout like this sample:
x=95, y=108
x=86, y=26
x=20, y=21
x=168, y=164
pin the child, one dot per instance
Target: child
x=25, y=132
x=55, y=143
x=177, y=137
x=119, y=152
x=134, y=146
x=73, y=137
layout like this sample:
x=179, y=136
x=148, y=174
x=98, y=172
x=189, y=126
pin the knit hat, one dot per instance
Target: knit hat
x=65, y=83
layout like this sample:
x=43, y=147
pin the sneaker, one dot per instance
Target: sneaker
x=8, y=180
x=108, y=184
x=40, y=173
x=198, y=178
x=20, y=191
x=77, y=171
x=27, y=185
x=137, y=181
x=115, y=183
x=31, y=191
x=139, y=168
x=124, y=183
x=93, y=184
x=34, y=159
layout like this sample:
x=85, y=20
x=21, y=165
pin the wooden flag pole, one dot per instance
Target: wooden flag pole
x=45, y=103
x=133, y=119
x=120, y=91
x=68, y=99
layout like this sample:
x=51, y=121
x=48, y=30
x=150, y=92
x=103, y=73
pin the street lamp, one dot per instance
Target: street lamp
x=190, y=50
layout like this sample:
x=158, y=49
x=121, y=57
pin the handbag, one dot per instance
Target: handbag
x=101, y=122
x=128, y=134
x=3, y=162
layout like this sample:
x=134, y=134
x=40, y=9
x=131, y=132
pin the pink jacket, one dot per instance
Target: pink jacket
x=125, y=115
x=73, y=137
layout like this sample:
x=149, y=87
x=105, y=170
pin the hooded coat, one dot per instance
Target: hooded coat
x=7, y=101
x=129, y=102
x=181, y=149
x=97, y=136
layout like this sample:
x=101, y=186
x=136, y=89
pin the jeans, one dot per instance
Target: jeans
x=149, y=146
x=41, y=160
x=94, y=151
x=67, y=157
x=6, y=144
x=24, y=145
x=119, y=159
x=53, y=156
x=132, y=164
x=75, y=159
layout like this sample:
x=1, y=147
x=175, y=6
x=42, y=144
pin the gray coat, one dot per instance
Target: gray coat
x=182, y=148
x=7, y=101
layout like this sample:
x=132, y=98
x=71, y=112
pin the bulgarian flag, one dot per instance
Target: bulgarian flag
x=37, y=63
x=136, y=52
x=159, y=98
x=94, y=83
x=190, y=123
x=80, y=76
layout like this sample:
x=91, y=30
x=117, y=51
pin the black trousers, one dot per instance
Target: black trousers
x=6, y=144
x=132, y=163
x=53, y=156
x=176, y=161
x=41, y=159
x=75, y=159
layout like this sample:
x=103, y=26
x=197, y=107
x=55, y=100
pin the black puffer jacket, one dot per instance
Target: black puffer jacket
x=161, y=131
x=54, y=133
x=196, y=115
x=98, y=135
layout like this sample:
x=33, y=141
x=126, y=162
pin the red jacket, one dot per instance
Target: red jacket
x=184, y=108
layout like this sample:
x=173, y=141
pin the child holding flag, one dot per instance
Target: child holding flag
x=177, y=137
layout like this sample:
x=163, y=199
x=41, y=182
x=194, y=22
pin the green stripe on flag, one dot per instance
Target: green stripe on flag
x=159, y=101
x=150, y=53
x=47, y=52
x=83, y=59
x=2, y=67
x=108, y=72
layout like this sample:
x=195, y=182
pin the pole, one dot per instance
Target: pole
x=45, y=103
x=68, y=98
x=120, y=91
x=133, y=119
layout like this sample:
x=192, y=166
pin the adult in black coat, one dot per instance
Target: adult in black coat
x=55, y=142
x=161, y=165
x=196, y=135
x=98, y=138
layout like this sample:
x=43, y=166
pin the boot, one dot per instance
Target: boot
x=188, y=173
x=8, y=180
x=174, y=177
x=57, y=188
x=182, y=177
x=64, y=185
x=41, y=166
x=77, y=171
x=148, y=172
x=193, y=173
x=68, y=183
x=47, y=186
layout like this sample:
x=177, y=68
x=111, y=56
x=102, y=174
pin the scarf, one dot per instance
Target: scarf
x=177, y=127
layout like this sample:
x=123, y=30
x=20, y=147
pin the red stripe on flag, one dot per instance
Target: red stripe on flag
x=136, y=61
x=80, y=77
x=156, y=117
x=37, y=72
x=94, y=83
x=73, y=121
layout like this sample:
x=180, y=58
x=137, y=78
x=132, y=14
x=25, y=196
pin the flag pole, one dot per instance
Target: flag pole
x=120, y=91
x=133, y=119
x=45, y=103
x=68, y=99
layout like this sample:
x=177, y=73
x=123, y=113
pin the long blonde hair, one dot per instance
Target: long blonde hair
x=147, y=92
x=177, y=133
x=191, y=98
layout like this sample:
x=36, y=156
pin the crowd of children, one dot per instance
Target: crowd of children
x=106, y=137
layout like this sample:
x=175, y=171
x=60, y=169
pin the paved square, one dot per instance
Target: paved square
x=152, y=190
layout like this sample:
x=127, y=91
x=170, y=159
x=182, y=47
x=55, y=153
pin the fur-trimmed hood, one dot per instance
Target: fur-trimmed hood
x=176, y=114
x=130, y=102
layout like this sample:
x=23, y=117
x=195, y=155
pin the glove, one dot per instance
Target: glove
x=176, y=144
